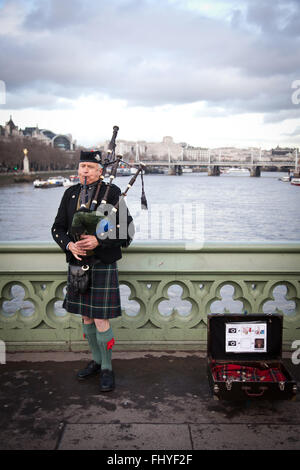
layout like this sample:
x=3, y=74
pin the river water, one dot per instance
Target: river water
x=191, y=206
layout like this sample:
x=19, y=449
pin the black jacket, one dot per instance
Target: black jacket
x=108, y=251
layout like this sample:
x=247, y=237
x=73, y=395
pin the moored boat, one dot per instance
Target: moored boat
x=74, y=178
x=70, y=182
x=187, y=170
x=123, y=171
x=295, y=181
x=285, y=179
x=41, y=184
x=56, y=180
x=235, y=170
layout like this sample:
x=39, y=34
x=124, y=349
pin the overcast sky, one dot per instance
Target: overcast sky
x=209, y=73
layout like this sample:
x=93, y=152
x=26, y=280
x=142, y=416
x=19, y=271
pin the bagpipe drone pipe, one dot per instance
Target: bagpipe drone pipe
x=111, y=224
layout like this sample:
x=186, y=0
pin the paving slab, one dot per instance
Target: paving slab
x=161, y=400
x=126, y=437
x=245, y=437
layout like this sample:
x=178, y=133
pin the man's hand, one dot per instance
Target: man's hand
x=76, y=250
x=86, y=243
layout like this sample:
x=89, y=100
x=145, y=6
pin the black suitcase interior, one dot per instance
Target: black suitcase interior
x=244, y=357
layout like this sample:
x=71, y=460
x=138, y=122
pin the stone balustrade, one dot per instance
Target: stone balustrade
x=167, y=290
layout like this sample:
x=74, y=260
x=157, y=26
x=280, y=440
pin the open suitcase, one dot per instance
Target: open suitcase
x=244, y=357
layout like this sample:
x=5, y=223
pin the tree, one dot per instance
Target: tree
x=42, y=157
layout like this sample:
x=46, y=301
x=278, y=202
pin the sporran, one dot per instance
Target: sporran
x=79, y=277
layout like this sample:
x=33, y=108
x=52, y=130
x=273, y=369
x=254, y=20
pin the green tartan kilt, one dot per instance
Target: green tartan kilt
x=102, y=298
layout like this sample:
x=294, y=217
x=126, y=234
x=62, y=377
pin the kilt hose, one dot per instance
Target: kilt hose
x=102, y=298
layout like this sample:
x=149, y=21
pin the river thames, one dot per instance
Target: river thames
x=192, y=207
x=226, y=208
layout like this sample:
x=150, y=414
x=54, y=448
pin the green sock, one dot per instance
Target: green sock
x=105, y=342
x=89, y=329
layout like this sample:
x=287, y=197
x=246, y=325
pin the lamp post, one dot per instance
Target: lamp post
x=25, y=162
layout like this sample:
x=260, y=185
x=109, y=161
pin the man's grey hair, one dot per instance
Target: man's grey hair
x=99, y=165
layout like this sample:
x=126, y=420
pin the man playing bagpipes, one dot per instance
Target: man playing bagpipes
x=91, y=226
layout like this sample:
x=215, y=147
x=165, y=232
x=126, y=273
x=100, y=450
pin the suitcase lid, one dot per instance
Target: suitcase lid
x=252, y=337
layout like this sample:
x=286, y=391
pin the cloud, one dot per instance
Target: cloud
x=11, y=18
x=295, y=133
x=282, y=115
x=152, y=53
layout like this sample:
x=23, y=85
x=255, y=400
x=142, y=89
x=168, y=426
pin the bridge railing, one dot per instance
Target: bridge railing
x=167, y=290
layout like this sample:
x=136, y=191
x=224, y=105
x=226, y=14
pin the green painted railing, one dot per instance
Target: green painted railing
x=167, y=291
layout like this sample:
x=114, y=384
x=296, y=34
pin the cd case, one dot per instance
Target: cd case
x=244, y=357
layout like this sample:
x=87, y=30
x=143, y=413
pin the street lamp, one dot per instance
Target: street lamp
x=25, y=162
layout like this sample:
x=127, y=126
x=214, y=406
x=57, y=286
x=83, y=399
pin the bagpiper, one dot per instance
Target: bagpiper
x=91, y=226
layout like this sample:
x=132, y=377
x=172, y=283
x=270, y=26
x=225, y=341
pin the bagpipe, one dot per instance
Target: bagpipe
x=110, y=225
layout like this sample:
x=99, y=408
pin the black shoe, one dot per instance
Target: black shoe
x=91, y=369
x=107, y=380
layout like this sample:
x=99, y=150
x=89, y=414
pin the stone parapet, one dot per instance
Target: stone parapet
x=167, y=290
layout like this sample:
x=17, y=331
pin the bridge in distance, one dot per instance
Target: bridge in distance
x=214, y=165
x=239, y=164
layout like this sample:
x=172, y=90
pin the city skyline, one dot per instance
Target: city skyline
x=212, y=74
x=167, y=143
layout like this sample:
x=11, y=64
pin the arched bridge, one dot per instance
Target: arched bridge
x=214, y=165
